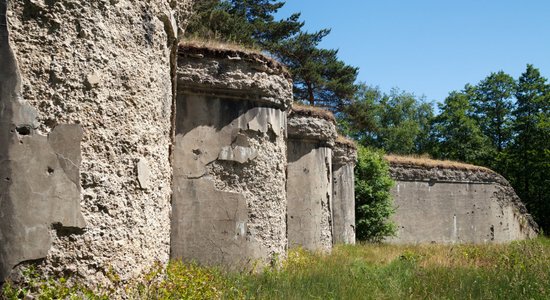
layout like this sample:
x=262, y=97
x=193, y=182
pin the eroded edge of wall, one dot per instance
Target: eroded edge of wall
x=40, y=179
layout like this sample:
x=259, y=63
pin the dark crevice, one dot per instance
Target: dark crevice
x=64, y=231
x=24, y=130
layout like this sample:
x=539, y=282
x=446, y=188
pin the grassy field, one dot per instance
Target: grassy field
x=520, y=270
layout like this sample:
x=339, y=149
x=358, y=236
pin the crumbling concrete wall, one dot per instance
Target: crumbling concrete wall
x=343, y=191
x=229, y=203
x=311, y=135
x=105, y=68
x=446, y=205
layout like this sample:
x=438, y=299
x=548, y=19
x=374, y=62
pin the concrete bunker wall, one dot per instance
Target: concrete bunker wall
x=445, y=205
x=229, y=202
x=309, y=179
x=85, y=129
x=343, y=191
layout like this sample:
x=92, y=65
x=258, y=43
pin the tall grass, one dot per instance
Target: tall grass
x=520, y=270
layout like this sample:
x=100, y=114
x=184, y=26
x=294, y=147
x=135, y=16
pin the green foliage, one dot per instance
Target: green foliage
x=369, y=271
x=245, y=22
x=184, y=281
x=373, y=201
x=378, y=271
x=397, y=122
x=528, y=160
x=493, y=105
x=320, y=78
x=176, y=281
x=455, y=134
x=48, y=288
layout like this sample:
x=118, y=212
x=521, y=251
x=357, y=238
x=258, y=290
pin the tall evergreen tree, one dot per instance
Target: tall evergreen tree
x=320, y=78
x=530, y=151
x=455, y=134
x=493, y=106
x=247, y=22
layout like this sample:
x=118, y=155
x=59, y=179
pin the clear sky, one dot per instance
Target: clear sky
x=431, y=47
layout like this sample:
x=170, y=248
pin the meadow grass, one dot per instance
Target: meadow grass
x=520, y=270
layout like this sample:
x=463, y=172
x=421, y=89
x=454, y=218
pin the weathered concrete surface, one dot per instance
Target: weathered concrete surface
x=105, y=65
x=343, y=192
x=229, y=203
x=39, y=177
x=436, y=205
x=309, y=181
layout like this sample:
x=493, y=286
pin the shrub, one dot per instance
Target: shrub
x=373, y=200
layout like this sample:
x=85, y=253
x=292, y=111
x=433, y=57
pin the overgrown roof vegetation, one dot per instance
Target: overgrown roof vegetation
x=426, y=162
x=228, y=50
x=342, y=140
x=312, y=111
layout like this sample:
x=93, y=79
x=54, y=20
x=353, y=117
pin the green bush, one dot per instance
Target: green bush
x=373, y=200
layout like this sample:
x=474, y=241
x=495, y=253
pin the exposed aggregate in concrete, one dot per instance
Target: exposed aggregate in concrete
x=106, y=66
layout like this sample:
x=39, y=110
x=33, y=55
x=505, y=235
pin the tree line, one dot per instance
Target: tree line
x=501, y=122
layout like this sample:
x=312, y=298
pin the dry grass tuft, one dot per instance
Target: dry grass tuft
x=426, y=162
x=218, y=45
x=342, y=140
x=312, y=111
x=212, y=48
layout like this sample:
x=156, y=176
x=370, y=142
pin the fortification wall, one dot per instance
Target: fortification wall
x=120, y=148
x=343, y=191
x=229, y=205
x=309, y=180
x=86, y=109
x=464, y=204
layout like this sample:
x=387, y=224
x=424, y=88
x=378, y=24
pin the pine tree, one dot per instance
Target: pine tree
x=320, y=78
x=493, y=106
x=530, y=151
x=455, y=134
x=247, y=22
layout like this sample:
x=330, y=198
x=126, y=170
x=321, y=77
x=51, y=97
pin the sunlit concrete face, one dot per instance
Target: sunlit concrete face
x=463, y=207
x=309, y=186
x=344, y=158
x=229, y=203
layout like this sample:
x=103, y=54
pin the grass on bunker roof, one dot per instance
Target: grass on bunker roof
x=312, y=111
x=426, y=162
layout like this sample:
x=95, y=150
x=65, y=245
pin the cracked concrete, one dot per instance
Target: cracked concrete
x=229, y=202
x=105, y=65
x=39, y=175
x=309, y=181
x=343, y=192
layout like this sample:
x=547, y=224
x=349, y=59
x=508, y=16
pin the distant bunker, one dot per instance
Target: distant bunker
x=229, y=201
x=311, y=136
x=343, y=191
x=448, y=202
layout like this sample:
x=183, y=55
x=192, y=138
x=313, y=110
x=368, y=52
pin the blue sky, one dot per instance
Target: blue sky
x=431, y=47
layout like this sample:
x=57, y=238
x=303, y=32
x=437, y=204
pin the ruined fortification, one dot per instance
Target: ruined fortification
x=312, y=133
x=121, y=148
x=86, y=132
x=448, y=202
x=229, y=204
x=344, y=156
